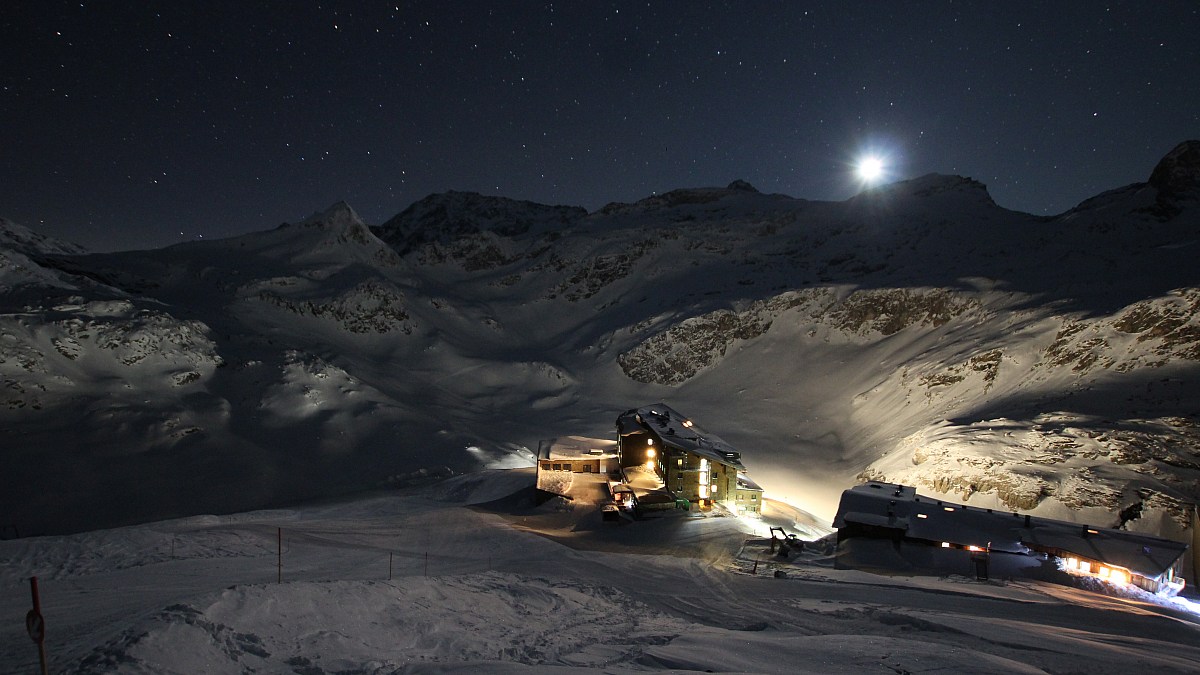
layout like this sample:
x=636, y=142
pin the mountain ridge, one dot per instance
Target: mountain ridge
x=829, y=341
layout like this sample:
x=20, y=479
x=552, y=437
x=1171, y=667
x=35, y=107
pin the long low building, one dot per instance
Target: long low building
x=928, y=533
x=577, y=454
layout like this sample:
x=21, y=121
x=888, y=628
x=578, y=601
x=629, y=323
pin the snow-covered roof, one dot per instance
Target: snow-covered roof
x=675, y=430
x=744, y=482
x=577, y=447
x=920, y=517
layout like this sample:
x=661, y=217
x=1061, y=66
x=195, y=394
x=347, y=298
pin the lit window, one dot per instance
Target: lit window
x=948, y=508
x=922, y=515
x=945, y=544
x=1085, y=566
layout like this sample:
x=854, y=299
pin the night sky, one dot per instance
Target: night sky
x=140, y=124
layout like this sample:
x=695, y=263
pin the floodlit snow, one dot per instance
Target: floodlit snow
x=916, y=333
x=475, y=587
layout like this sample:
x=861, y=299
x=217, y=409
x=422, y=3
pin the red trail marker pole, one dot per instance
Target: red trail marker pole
x=36, y=625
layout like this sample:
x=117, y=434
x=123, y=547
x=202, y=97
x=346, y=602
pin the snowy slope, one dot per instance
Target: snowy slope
x=444, y=580
x=916, y=332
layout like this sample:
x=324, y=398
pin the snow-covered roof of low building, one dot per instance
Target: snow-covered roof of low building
x=577, y=447
x=744, y=482
x=676, y=430
x=920, y=517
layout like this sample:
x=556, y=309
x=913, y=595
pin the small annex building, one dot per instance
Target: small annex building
x=749, y=496
x=693, y=464
x=924, y=533
x=577, y=454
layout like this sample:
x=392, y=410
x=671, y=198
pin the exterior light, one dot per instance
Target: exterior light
x=922, y=515
x=948, y=508
x=687, y=424
x=1091, y=531
x=650, y=452
x=649, y=441
x=945, y=544
x=974, y=548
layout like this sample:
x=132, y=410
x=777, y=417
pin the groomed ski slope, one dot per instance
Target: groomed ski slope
x=475, y=587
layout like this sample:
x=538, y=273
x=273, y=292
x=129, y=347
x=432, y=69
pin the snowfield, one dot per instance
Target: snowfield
x=915, y=333
x=481, y=580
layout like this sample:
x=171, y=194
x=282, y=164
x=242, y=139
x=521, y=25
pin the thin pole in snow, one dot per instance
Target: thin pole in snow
x=36, y=625
x=426, y=563
x=279, y=555
x=389, y=566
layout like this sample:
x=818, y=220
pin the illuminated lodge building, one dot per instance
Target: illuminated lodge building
x=933, y=536
x=692, y=464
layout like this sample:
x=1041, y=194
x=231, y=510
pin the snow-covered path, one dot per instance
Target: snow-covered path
x=199, y=595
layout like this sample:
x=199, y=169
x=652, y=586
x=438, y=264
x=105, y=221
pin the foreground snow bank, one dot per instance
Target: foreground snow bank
x=379, y=627
x=491, y=622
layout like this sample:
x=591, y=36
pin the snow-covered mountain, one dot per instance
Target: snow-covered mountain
x=916, y=333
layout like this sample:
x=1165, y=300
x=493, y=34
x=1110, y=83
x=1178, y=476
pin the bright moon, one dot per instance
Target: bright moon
x=870, y=169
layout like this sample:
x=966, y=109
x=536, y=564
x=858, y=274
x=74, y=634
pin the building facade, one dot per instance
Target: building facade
x=692, y=464
x=938, y=536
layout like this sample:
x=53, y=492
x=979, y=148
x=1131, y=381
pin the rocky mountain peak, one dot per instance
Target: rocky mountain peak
x=340, y=216
x=1179, y=170
x=936, y=185
x=453, y=214
x=26, y=241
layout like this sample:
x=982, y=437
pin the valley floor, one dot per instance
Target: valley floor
x=469, y=576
